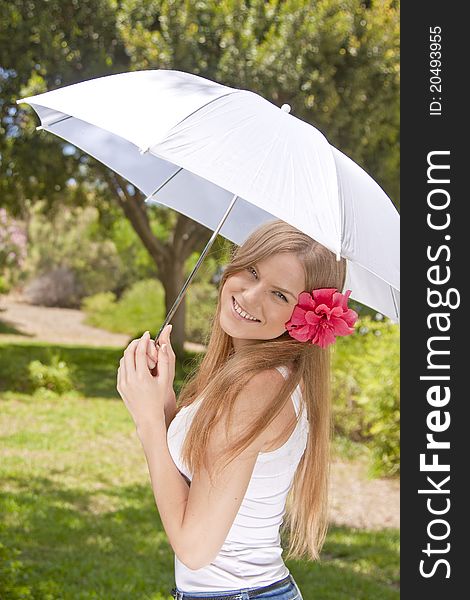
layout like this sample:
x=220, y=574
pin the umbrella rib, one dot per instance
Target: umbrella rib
x=233, y=91
x=397, y=312
x=164, y=183
x=58, y=121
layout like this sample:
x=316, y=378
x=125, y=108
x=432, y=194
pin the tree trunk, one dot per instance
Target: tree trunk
x=172, y=278
x=170, y=257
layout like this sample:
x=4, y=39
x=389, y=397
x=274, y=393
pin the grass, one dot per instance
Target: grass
x=77, y=514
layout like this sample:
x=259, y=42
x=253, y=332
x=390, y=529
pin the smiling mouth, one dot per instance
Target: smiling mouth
x=249, y=320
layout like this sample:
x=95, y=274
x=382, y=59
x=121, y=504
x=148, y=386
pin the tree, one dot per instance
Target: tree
x=334, y=61
x=50, y=44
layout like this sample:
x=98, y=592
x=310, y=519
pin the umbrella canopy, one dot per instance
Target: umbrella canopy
x=192, y=144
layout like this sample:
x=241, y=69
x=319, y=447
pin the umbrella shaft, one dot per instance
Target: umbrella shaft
x=196, y=266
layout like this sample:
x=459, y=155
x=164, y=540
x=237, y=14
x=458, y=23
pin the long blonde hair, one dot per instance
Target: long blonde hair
x=222, y=373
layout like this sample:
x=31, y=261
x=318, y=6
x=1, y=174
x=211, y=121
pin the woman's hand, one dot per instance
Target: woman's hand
x=143, y=393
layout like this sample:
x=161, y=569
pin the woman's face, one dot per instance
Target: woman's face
x=267, y=291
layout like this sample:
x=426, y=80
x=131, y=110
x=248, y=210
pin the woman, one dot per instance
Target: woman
x=252, y=425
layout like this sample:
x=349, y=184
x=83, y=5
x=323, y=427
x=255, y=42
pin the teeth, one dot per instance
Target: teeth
x=242, y=312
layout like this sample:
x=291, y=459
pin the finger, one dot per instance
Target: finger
x=150, y=362
x=121, y=377
x=165, y=335
x=163, y=339
x=163, y=366
x=118, y=377
x=152, y=354
x=152, y=350
x=129, y=356
x=168, y=341
x=141, y=355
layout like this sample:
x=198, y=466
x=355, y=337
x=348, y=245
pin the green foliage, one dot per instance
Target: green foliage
x=5, y=286
x=12, y=250
x=135, y=263
x=142, y=307
x=17, y=579
x=12, y=584
x=336, y=62
x=201, y=304
x=366, y=371
x=71, y=241
x=46, y=45
x=56, y=376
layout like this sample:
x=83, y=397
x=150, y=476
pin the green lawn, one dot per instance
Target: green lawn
x=77, y=515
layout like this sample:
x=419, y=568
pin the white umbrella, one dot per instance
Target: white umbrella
x=207, y=150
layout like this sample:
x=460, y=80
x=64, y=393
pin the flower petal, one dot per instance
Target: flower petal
x=305, y=301
x=324, y=295
x=302, y=334
x=324, y=337
x=312, y=318
x=323, y=309
x=340, y=327
x=350, y=316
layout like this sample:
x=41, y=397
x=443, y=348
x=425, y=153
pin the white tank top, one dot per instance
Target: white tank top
x=251, y=553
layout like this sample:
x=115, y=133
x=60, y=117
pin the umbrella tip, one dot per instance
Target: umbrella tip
x=285, y=108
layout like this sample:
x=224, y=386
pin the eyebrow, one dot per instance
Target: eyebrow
x=276, y=286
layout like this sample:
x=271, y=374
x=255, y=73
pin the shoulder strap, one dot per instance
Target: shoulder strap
x=283, y=370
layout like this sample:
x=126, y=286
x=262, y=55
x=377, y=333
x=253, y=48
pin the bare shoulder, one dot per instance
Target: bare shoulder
x=260, y=389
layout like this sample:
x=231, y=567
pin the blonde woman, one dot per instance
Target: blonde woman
x=245, y=450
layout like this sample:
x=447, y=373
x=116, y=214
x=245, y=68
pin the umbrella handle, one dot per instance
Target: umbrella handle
x=177, y=302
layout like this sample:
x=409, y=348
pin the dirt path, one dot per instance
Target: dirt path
x=356, y=501
x=56, y=325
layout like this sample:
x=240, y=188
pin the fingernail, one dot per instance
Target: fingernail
x=164, y=348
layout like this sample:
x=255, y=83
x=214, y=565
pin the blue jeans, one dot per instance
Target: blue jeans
x=288, y=591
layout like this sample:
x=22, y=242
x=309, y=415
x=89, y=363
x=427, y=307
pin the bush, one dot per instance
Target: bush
x=67, y=259
x=366, y=371
x=201, y=302
x=57, y=287
x=55, y=377
x=12, y=251
x=142, y=307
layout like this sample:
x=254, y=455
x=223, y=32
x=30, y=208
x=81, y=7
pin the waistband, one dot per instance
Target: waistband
x=236, y=595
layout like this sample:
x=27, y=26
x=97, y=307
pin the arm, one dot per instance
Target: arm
x=170, y=408
x=197, y=519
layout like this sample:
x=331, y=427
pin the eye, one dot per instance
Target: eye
x=251, y=269
x=281, y=295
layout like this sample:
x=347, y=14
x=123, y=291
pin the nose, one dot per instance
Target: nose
x=252, y=299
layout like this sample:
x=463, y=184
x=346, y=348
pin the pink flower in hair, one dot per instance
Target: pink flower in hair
x=321, y=316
